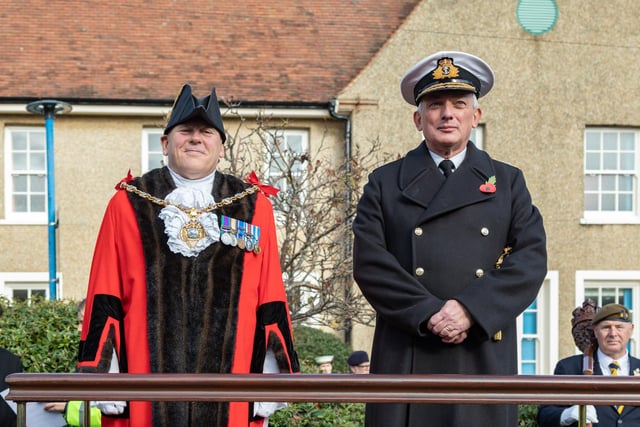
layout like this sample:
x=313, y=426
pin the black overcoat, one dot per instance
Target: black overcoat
x=9, y=364
x=549, y=415
x=422, y=239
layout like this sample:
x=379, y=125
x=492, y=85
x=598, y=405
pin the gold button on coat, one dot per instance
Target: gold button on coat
x=479, y=272
x=417, y=231
x=484, y=231
x=419, y=271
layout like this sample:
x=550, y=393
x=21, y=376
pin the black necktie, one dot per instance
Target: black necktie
x=447, y=167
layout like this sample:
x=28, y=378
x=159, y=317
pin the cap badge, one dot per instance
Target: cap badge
x=445, y=70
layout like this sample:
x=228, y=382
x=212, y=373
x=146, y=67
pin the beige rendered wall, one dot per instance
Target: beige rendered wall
x=548, y=89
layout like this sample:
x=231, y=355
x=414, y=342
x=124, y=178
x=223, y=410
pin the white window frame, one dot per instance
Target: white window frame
x=612, y=279
x=27, y=280
x=613, y=216
x=146, y=133
x=10, y=216
x=477, y=136
x=284, y=134
x=547, y=330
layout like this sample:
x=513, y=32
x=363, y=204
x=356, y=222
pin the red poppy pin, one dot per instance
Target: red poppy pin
x=489, y=186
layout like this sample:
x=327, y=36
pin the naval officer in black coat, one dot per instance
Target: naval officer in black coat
x=448, y=254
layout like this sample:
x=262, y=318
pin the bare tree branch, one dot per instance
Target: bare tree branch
x=313, y=210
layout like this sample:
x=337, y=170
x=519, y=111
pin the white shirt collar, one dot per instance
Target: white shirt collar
x=605, y=360
x=457, y=159
x=204, y=184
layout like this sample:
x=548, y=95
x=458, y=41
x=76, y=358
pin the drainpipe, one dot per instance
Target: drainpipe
x=333, y=111
x=49, y=108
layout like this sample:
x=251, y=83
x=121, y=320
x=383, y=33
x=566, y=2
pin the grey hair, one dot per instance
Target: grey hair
x=476, y=103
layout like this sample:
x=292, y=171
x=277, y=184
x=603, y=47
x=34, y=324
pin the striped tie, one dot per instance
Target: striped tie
x=615, y=367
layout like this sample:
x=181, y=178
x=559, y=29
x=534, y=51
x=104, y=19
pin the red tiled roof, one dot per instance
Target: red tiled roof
x=278, y=51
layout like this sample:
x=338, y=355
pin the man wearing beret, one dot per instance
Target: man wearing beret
x=186, y=278
x=358, y=362
x=613, y=327
x=448, y=249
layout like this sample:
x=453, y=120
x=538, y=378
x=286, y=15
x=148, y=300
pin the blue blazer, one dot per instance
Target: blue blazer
x=549, y=415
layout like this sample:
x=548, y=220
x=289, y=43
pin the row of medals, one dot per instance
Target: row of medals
x=234, y=232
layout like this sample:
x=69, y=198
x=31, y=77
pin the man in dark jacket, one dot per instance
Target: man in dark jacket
x=9, y=364
x=448, y=255
x=613, y=328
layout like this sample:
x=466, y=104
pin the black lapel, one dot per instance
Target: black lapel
x=422, y=182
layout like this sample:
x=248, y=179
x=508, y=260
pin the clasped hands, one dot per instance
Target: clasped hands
x=451, y=323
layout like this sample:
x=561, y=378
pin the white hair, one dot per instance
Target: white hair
x=476, y=103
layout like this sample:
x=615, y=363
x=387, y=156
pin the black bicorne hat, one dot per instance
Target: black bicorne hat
x=187, y=107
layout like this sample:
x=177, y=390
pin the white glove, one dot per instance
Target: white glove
x=111, y=408
x=572, y=414
x=266, y=409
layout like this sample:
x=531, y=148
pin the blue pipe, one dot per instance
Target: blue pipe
x=49, y=108
x=51, y=204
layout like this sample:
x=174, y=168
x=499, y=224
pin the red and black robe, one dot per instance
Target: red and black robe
x=162, y=312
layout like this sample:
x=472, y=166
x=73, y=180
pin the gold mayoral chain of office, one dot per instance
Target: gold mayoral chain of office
x=193, y=231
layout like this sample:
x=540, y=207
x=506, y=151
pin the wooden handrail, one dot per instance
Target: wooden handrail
x=480, y=389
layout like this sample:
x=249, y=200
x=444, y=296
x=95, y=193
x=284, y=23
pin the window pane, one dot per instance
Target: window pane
x=591, y=182
x=38, y=183
x=627, y=298
x=610, y=161
x=19, y=183
x=154, y=142
x=294, y=143
x=627, y=141
x=19, y=161
x=38, y=203
x=156, y=160
x=593, y=141
x=20, y=203
x=627, y=161
x=610, y=141
x=20, y=294
x=528, y=349
x=591, y=293
x=528, y=369
x=609, y=183
x=37, y=161
x=529, y=325
x=41, y=293
x=625, y=203
x=591, y=202
x=593, y=161
x=625, y=183
x=608, y=202
x=608, y=296
x=19, y=141
x=37, y=140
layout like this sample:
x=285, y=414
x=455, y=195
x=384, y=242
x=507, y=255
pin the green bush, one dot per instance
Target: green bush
x=310, y=343
x=527, y=415
x=43, y=333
